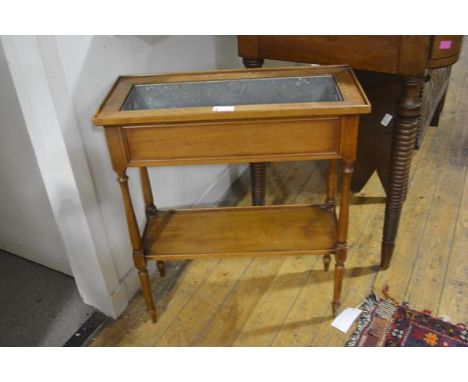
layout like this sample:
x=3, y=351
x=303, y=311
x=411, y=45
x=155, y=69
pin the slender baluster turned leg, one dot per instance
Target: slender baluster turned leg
x=138, y=255
x=403, y=141
x=330, y=202
x=150, y=208
x=341, y=249
x=257, y=170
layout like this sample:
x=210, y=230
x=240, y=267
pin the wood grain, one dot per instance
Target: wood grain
x=403, y=55
x=363, y=52
x=240, y=231
x=262, y=274
x=233, y=142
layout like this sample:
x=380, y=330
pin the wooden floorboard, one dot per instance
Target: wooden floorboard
x=453, y=302
x=286, y=301
x=230, y=320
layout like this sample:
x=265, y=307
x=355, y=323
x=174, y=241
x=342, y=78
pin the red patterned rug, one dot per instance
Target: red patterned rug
x=383, y=322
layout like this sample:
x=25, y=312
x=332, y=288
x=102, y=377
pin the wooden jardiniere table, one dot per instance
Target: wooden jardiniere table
x=217, y=117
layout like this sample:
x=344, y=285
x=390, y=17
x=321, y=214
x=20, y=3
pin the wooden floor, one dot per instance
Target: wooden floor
x=285, y=301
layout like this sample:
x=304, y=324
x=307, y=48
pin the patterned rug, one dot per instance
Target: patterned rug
x=384, y=322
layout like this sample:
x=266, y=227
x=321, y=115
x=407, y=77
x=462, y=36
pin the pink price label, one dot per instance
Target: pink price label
x=445, y=44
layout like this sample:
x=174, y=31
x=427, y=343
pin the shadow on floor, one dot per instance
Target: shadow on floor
x=314, y=276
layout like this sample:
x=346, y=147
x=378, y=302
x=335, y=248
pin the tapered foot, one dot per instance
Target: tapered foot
x=152, y=315
x=326, y=262
x=253, y=62
x=339, y=275
x=335, y=307
x=386, y=256
x=161, y=268
x=146, y=289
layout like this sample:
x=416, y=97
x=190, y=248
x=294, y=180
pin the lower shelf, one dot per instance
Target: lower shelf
x=240, y=231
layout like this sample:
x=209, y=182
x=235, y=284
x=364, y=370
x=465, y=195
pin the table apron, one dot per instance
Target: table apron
x=239, y=142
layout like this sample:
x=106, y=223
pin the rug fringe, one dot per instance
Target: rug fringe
x=364, y=319
x=377, y=318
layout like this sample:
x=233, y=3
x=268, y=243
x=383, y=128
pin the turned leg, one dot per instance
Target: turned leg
x=404, y=136
x=140, y=263
x=330, y=201
x=341, y=249
x=135, y=239
x=257, y=170
x=340, y=258
x=150, y=208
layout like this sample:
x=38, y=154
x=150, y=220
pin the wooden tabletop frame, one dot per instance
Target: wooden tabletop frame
x=354, y=98
x=249, y=133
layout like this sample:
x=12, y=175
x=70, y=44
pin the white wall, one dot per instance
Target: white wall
x=91, y=64
x=60, y=81
x=27, y=224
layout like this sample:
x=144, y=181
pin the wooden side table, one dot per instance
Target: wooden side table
x=214, y=117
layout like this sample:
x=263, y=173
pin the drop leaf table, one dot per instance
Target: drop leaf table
x=405, y=77
x=216, y=117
